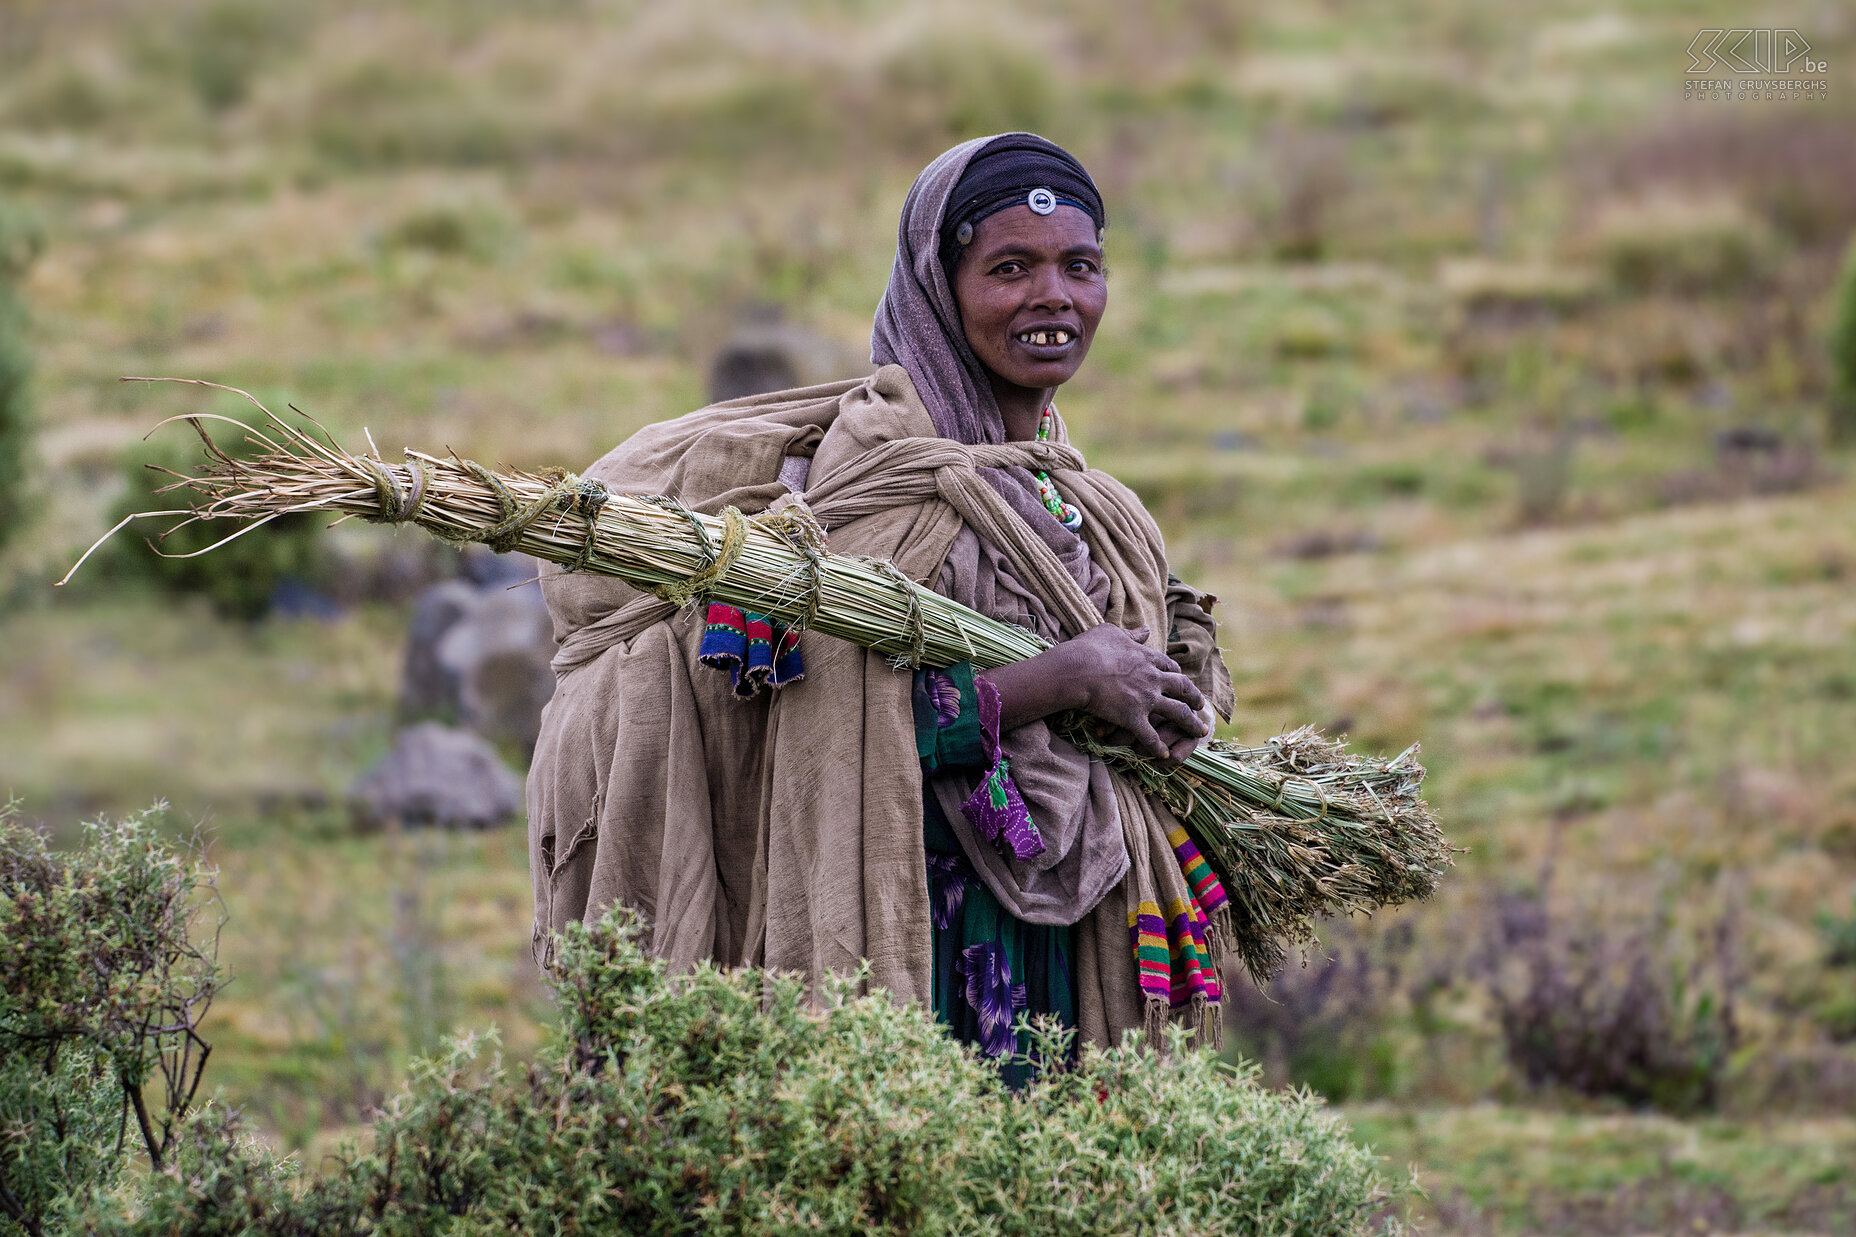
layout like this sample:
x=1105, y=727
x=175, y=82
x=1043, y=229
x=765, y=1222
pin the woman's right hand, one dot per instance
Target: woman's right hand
x=1110, y=674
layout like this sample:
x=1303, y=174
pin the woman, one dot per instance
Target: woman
x=812, y=809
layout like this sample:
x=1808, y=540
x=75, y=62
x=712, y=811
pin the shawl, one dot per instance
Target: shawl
x=786, y=831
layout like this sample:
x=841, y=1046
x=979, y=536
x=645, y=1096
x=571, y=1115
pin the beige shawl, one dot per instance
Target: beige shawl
x=787, y=832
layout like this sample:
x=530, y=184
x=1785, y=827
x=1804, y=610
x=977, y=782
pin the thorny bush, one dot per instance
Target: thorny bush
x=728, y=1101
x=104, y=979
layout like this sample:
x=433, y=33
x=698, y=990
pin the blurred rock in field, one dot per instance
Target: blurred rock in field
x=620, y=337
x=478, y=648
x=1747, y=440
x=427, y=686
x=436, y=775
x=498, y=653
x=1326, y=543
x=765, y=353
x=1749, y=460
x=1235, y=440
x=485, y=568
x=749, y=367
x=296, y=598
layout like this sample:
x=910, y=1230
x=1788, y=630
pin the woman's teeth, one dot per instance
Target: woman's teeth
x=1045, y=338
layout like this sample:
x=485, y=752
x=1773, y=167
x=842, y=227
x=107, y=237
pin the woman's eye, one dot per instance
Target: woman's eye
x=1008, y=268
x=1082, y=266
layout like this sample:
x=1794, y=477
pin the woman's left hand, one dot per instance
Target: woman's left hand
x=1147, y=704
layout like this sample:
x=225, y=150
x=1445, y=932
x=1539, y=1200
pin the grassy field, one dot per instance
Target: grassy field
x=1479, y=374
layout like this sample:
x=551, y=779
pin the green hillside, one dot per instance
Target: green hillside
x=1481, y=375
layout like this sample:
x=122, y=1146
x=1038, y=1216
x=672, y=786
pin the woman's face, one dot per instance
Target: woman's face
x=1031, y=290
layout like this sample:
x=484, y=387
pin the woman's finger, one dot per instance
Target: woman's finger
x=1176, y=713
x=1147, y=740
x=1117, y=736
x=1178, y=745
x=1179, y=687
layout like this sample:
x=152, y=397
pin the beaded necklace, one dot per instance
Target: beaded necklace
x=1067, y=515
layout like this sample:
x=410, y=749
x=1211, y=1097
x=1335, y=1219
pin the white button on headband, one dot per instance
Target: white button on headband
x=1041, y=201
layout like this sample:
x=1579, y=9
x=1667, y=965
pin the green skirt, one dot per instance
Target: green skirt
x=991, y=969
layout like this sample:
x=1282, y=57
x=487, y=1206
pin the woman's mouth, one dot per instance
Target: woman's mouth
x=1055, y=337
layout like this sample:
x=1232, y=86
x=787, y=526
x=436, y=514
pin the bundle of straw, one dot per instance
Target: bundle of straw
x=1297, y=829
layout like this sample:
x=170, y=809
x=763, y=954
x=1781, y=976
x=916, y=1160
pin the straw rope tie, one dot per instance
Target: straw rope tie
x=503, y=535
x=797, y=527
x=586, y=498
x=566, y=492
x=397, y=505
x=701, y=530
x=718, y=560
x=576, y=495
x=914, y=624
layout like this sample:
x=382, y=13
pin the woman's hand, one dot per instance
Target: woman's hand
x=1108, y=673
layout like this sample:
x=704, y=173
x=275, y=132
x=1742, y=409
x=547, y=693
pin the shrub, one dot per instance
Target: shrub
x=1666, y=243
x=228, y=42
x=1839, y=937
x=1798, y=171
x=102, y=988
x=948, y=85
x=388, y=112
x=241, y=578
x=708, y=1100
x=1843, y=351
x=1607, y=1011
x=724, y=1101
x=63, y=97
x=1309, y=172
x=1323, y=1025
x=448, y=230
x=19, y=245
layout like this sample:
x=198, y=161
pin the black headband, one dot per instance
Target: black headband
x=1020, y=168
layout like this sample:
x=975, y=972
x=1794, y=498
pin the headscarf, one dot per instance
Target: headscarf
x=1017, y=168
x=918, y=320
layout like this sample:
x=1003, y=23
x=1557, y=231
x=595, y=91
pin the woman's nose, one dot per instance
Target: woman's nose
x=1049, y=292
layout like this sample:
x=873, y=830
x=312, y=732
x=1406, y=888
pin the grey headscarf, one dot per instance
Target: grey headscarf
x=918, y=322
x=918, y=327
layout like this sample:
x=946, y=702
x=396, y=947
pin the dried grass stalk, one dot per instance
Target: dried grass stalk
x=1297, y=829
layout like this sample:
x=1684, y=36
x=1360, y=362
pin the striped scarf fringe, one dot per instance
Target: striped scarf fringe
x=1179, y=956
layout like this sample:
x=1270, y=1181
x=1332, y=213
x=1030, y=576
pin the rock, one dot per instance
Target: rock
x=749, y=367
x=428, y=687
x=1747, y=440
x=498, y=654
x=478, y=648
x=764, y=353
x=363, y=566
x=437, y=775
x=487, y=569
